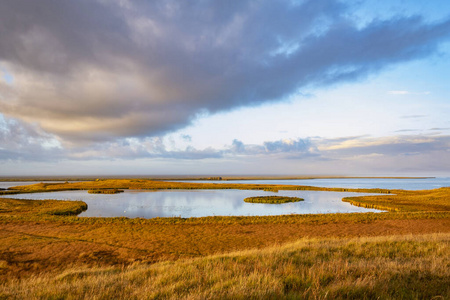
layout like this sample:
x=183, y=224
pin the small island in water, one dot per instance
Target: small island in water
x=272, y=199
x=105, y=191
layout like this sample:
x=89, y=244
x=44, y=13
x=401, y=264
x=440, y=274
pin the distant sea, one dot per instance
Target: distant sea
x=366, y=183
x=357, y=183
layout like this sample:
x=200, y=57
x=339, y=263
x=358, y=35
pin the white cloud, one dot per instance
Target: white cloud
x=408, y=93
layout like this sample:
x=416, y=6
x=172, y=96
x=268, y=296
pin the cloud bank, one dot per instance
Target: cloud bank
x=102, y=71
x=406, y=154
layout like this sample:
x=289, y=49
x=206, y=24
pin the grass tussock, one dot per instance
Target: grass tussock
x=105, y=191
x=39, y=208
x=272, y=199
x=396, y=267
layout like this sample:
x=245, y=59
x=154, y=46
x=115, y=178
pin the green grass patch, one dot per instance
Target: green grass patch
x=272, y=199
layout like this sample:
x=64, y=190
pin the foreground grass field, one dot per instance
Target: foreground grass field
x=47, y=252
x=396, y=267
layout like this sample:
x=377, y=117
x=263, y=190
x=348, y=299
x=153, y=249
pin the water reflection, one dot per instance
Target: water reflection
x=200, y=203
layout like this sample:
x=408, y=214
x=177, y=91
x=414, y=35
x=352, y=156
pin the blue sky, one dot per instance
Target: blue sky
x=249, y=87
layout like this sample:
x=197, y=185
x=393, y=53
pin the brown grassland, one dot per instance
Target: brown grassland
x=46, y=251
x=105, y=191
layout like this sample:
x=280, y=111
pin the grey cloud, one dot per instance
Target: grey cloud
x=393, y=146
x=406, y=130
x=186, y=137
x=286, y=148
x=438, y=129
x=155, y=148
x=105, y=70
x=237, y=147
x=406, y=154
x=290, y=146
x=194, y=154
x=21, y=141
x=58, y=36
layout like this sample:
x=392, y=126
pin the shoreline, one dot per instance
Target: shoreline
x=200, y=177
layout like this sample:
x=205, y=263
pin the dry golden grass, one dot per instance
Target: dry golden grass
x=272, y=199
x=18, y=207
x=32, y=243
x=396, y=267
x=427, y=200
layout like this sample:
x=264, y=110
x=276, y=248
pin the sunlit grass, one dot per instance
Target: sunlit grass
x=427, y=200
x=40, y=208
x=272, y=199
x=396, y=267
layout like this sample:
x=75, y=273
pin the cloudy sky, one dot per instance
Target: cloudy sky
x=304, y=87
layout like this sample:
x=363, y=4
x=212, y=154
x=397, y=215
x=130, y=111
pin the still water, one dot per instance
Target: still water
x=200, y=203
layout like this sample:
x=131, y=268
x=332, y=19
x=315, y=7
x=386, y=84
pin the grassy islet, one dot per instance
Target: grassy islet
x=272, y=199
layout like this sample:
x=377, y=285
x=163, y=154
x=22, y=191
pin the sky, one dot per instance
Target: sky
x=298, y=87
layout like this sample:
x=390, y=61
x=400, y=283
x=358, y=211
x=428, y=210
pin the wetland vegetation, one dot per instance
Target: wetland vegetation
x=105, y=191
x=49, y=252
x=395, y=267
x=272, y=199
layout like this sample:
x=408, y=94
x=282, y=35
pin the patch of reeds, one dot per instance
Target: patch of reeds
x=105, y=191
x=272, y=199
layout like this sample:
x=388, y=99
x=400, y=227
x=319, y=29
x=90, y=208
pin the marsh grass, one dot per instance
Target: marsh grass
x=39, y=208
x=427, y=200
x=105, y=191
x=395, y=267
x=272, y=199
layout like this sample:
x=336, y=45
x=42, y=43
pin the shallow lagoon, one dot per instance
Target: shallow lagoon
x=200, y=203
